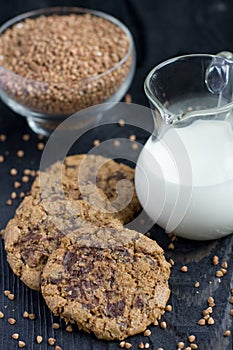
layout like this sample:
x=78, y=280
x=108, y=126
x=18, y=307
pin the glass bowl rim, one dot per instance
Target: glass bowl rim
x=69, y=10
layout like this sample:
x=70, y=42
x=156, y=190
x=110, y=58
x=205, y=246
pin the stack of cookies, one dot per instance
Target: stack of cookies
x=68, y=240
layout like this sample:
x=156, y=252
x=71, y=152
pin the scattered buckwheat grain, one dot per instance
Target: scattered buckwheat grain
x=215, y=260
x=51, y=341
x=227, y=333
x=15, y=336
x=13, y=172
x=20, y=153
x=121, y=122
x=55, y=325
x=40, y=146
x=69, y=329
x=96, y=142
x=128, y=98
x=11, y=320
x=39, y=339
x=147, y=333
x=21, y=344
x=184, y=268
x=26, y=137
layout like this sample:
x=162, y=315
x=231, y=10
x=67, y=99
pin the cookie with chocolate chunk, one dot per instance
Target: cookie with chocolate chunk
x=34, y=233
x=57, y=206
x=116, y=180
x=112, y=282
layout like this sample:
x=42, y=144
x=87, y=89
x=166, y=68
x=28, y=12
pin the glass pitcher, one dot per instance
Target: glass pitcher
x=184, y=174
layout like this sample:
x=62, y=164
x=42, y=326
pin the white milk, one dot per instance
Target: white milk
x=184, y=180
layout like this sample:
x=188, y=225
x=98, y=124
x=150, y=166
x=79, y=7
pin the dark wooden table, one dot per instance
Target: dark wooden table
x=161, y=29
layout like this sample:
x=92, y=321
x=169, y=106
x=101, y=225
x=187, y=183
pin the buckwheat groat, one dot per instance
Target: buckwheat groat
x=43, y=218
x=54, y=56
x=113, y=282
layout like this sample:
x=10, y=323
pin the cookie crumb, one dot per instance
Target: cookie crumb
x=2, y=159
x=15, y=336
x=147, y=345
x=25, y=314
x=1, y=314
x=21, y=195
x=122, y=344
x=197, y=284
x=180, y=345
x=58, y=347
x=231, y=312
x=231, y=300
x=141, y=346
x=39, y=339
x=31, y=316
x=6, y=293
x=128, y=345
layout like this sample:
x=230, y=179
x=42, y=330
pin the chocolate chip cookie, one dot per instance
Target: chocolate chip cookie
x=49, y=213
x=71, y=178
x=112, y=282
x=33, y=234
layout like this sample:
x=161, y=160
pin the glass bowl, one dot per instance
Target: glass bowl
x=46, y=104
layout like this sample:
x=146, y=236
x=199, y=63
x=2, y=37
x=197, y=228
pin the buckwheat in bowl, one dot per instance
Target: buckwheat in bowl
x=57, y=61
